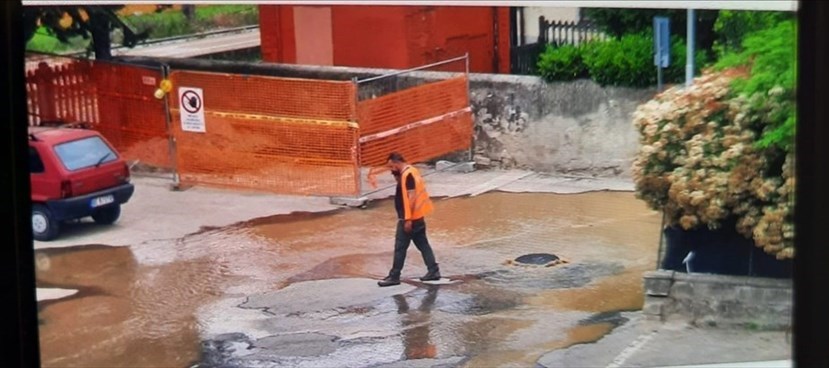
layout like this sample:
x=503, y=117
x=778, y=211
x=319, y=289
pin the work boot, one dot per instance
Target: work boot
x=431, y=276
x=389, y=281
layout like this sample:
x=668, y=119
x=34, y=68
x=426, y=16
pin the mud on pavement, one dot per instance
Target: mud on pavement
x=300, y=290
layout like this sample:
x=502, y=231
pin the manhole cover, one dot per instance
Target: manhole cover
x=537, y=259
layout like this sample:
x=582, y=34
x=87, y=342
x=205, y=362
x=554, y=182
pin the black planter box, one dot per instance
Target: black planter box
x=722, y=251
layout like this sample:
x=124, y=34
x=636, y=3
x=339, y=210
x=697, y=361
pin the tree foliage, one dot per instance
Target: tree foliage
x=771, y=55
x=732, y=27
x=619, y=22
x=86, y=21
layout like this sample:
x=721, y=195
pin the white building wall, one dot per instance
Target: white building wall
x=531, y=14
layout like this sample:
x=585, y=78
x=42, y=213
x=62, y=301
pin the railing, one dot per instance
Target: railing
x=560, y=33
x=524, y=58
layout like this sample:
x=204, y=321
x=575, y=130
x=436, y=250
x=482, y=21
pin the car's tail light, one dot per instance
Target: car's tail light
x=123, y=175
x=126, y=176
x=65, y=189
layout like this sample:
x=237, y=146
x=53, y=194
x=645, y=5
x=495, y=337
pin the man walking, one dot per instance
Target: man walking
x=413, y=204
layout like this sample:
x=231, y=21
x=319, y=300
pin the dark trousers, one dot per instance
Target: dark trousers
x=401, y=245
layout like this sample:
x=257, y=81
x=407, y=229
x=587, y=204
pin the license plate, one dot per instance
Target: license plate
x=100, y=201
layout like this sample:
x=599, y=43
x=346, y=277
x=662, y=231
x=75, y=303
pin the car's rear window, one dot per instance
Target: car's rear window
x=83, y=153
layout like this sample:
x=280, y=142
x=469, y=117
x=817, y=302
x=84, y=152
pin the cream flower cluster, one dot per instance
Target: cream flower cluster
x=700, y=165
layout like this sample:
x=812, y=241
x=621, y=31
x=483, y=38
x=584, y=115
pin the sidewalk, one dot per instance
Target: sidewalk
x=451, y=184
x=157, y=213
x=643, y=343
x=764, y=364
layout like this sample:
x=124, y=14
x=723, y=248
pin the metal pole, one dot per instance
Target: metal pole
x=689, y=53
x=171, y=140
x=358, y=166
x=659, y=78
x=472, y=145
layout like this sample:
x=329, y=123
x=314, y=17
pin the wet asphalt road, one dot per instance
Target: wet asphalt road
x=299, y=290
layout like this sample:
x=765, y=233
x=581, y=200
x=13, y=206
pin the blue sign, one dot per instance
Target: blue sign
x=661, y=42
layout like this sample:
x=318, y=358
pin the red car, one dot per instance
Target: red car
x=75, y=173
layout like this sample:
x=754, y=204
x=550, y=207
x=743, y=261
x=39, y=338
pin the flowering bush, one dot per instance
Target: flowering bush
x=701, y=164
x=723, y=149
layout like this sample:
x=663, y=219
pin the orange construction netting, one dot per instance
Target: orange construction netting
x=283, y=135
x=289, y=136
x=422, y=122
x=115, y=99
x=130, y=117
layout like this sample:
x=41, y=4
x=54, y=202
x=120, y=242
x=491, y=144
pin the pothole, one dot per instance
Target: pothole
x=613, y=318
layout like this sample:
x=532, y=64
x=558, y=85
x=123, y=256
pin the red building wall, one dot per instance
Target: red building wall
x=504, y=24
x=372, y=37
x=439, y=33
x=395, y=37
x=276, y=27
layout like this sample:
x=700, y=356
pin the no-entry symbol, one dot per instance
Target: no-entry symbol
x=191, y=101
x=191, y=107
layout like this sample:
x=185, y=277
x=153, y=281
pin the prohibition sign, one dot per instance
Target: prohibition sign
x=191, y=101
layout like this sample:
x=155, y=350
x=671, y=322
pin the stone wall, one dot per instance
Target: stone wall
x=521, y=122
x=566, y=127
x=719, y=301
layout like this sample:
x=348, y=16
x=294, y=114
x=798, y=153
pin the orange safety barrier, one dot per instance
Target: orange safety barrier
x=421, y=144
x=130, y=117
x=422, y=122
x=115, y=99
x=284, y=135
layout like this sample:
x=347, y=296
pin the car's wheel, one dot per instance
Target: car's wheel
x=107, y=216
x=44, y=226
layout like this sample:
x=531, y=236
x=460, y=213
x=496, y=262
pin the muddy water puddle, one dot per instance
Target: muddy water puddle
x=126, y=314
x=138, y=305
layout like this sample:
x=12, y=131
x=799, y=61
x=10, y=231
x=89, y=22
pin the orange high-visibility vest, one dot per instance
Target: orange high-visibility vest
x=422, y=203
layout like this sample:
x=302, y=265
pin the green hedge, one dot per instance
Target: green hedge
x=563, y=63
x=626, y=61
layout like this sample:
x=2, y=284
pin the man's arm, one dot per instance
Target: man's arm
x=410, y=191
x=404, y=196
